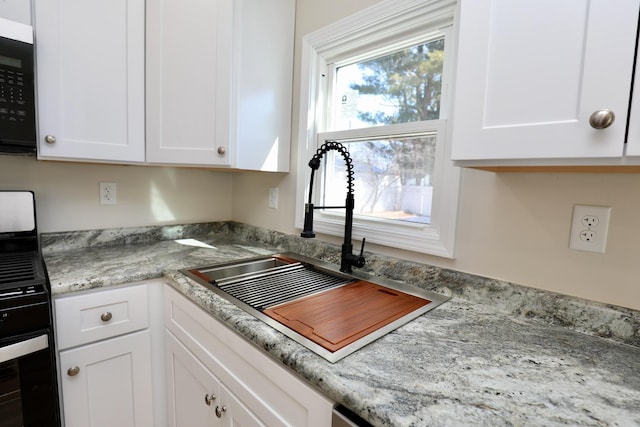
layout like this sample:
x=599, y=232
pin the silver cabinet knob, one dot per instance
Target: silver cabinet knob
x=209, y=398
x=105, y=317
x=221, y=150
x=602, y=119
x=72, y=372
x=50, y=139
x=220, y=411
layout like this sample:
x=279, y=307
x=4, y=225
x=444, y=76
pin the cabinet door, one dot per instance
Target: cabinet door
x=108, y=383
x=193, y=391
x=263, y=72
x=219, y=78
x=90, y=73
x=189, y=63
x=198, y=398
x=530, y=75
x=261, y=389
x=233, y=412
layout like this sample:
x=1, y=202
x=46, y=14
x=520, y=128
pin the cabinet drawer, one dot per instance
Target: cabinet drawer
x=85, y=318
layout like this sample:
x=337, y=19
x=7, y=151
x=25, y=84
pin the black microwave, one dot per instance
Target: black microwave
x=17, y=88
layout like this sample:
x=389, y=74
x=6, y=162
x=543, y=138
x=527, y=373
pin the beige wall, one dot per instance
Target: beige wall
x=516, y=227
x=513, y=227
x=67, y=194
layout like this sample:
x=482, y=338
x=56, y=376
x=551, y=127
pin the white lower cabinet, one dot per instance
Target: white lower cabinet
x=108, y=383
x=108, y=371
x=216, y=378
x=197, y=398
x=127, y=359
x=234, y=413
x=192, y=387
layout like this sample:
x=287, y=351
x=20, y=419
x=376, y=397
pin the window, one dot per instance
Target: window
x=377, y=82
x=402, y=86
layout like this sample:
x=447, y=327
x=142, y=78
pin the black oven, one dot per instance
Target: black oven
x=28, y=386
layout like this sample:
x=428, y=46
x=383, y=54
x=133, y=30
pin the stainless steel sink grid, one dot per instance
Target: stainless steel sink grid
x=259, y=283
x=278, y=285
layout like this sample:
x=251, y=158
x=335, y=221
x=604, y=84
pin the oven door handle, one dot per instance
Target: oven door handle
x=23, y=348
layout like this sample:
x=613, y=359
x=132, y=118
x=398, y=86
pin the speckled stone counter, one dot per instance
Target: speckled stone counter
x=495, y=354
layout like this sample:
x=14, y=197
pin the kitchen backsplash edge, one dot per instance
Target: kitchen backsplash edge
x=588, y=317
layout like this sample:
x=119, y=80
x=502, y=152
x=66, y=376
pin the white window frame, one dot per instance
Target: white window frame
x=385, y=25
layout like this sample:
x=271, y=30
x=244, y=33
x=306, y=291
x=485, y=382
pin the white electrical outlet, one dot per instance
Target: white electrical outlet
x=589, y=228
x=273, y=197
x=108, y=195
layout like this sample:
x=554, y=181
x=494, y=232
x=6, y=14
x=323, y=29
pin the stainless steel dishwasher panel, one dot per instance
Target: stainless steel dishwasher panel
x=343, y=417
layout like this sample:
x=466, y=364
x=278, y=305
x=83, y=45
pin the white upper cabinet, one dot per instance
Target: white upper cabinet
x=90, y=73
x=530, y=75
x=189, y=46
x=219, y=78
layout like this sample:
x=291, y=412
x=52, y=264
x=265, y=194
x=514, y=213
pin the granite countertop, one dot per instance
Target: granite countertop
x=495, y=354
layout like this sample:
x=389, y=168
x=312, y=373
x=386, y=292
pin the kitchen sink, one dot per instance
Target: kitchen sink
x=330, y=312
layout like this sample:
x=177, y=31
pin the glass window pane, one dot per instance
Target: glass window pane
x=400, y=87
x=392, y=178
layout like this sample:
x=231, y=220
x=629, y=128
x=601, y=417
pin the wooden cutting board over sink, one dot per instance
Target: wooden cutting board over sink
x=335, y=318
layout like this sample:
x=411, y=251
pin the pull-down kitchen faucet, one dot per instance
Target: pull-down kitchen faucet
x=347, y=259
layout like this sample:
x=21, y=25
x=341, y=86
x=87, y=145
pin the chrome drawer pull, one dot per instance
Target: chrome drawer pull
x=105, y=317
x=72, y=372
x=220, y=411
x=209, y=398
